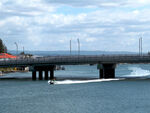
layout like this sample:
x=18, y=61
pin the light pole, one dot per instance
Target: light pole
x=140, y=45
x=78, y=46
x=23, y=49
x=5, y=53
x=70, y=47
x=16, y=48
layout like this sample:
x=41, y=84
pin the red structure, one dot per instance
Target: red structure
x=7, y=56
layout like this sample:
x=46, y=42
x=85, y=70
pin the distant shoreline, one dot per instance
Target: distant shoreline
x=65, y=52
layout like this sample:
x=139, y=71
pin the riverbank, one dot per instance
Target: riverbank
x=7, y=70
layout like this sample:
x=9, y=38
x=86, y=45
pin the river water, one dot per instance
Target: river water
x=78, y=90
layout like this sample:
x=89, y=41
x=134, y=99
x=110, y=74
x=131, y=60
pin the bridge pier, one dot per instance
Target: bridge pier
x=101, y=75
x=106, y=70
x=46, y=75
x=52, y=73
x=33, y=75
x=40, y=75
x=40, y=69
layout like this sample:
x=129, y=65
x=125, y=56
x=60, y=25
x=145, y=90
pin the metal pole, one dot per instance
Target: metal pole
x=78, y=46
x=23, y=49
x=70, y=47
x=4, y=54
x=141, y=46
x=16, y=48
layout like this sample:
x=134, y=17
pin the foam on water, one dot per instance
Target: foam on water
x=137, y=72
x=82, y=81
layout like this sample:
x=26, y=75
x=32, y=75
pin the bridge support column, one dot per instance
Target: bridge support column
x=40, y=75
x=52, y=72
x=46, y=75
x=33, y=75
x=107, y=70
x=101, y=75
x=42, y=69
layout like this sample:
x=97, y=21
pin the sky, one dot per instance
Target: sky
x=100, y=25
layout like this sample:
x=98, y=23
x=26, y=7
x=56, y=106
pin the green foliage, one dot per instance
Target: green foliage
x=3, y=48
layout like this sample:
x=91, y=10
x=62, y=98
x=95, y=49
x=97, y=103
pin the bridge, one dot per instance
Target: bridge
x=105, y=63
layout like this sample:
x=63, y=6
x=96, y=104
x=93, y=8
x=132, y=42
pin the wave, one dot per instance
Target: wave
x=137, y=72
x=82, y=81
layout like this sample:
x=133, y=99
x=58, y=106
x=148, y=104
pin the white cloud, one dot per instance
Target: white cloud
x=116, y=25
x=109, y=4
x=90, y=39
x=61, y=41
x=137, y=3
x=101, y=3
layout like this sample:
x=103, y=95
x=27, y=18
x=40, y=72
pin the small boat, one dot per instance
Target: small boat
x=51, y=81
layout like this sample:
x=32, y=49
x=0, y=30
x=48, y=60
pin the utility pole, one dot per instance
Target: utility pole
x=70, y=47
x=16, y=48
x=78, y=46
x=140, y=45
x=23, y=49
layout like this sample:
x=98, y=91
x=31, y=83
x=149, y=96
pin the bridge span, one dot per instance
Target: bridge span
x=105, y=63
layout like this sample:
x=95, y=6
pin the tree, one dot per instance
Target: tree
x=3, y=48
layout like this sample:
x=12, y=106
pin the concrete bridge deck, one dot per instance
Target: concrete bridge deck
x=77, y=60
x=106, y=63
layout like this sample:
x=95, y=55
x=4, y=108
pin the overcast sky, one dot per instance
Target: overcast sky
x=105, y=25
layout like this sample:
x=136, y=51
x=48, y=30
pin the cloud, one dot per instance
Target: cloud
x=109, y=26
x=90, y=39
x=101, y=3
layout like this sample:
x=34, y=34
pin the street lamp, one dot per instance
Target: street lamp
x=78, y=46
x=23, y=49
x=70, y=47
x=140, y=46
x=16, y=48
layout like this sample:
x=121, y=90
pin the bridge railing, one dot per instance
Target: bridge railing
x=77, y=59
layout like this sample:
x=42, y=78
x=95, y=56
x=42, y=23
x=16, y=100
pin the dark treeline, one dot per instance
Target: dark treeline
x=3, y=48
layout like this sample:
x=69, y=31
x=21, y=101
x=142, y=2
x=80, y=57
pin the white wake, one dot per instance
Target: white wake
x=138, y=72
x=82, y=81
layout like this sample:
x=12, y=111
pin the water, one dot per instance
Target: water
x=78, y=91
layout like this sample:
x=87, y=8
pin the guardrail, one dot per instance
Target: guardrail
x=78, y=59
